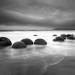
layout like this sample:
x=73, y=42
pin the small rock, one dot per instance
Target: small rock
x=27, y=41
x=40, y=42
x=54, y=35
x=35, y=35
x=18, y=45
x=71, y=37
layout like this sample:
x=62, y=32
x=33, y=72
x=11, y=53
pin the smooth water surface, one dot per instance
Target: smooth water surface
x=35, y=60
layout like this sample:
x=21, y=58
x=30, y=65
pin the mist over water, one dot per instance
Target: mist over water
x=56, y=58
x=28, y=62
x=33, y=60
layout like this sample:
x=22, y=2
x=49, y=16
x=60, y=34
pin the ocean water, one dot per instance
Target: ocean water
x=57, y=58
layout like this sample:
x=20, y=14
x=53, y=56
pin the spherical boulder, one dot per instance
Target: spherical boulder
x=63, y=35
x=59, y=39
x=40, y=42
x=71, y=37
x=18, y=45
x=27, y=41
x=5, y=42
x=68, y=35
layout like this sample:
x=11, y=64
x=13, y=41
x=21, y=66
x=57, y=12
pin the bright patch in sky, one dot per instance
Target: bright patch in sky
x=56, y=16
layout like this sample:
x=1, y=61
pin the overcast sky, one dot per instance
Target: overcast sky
x=37, y=14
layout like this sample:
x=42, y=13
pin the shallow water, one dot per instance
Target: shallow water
x=20, y=61
x=66, y=47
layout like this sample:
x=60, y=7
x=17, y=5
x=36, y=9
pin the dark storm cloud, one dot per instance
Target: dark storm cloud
x=57, y=14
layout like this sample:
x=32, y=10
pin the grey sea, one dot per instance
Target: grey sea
x=57, y=58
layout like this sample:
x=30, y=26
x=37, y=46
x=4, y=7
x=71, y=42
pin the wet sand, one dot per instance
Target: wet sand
x=65, y=67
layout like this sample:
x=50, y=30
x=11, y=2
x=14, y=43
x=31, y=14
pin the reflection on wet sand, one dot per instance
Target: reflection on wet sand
x=27, y=62
x=66, y=67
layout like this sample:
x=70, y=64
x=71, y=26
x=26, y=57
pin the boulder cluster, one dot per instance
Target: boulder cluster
x=63, y=37
x=5, y=42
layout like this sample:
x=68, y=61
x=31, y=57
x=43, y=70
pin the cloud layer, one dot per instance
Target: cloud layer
x=49, y=14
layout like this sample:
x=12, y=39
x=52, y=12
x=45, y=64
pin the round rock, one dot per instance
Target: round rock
x=63, y=35
x=35, y=35
x=5, y=42
x=54, y=35
x=60, y=39
x=27, y=41
x=18, y=45
x=68, y=35
x=71, y=37
x=40, y=42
